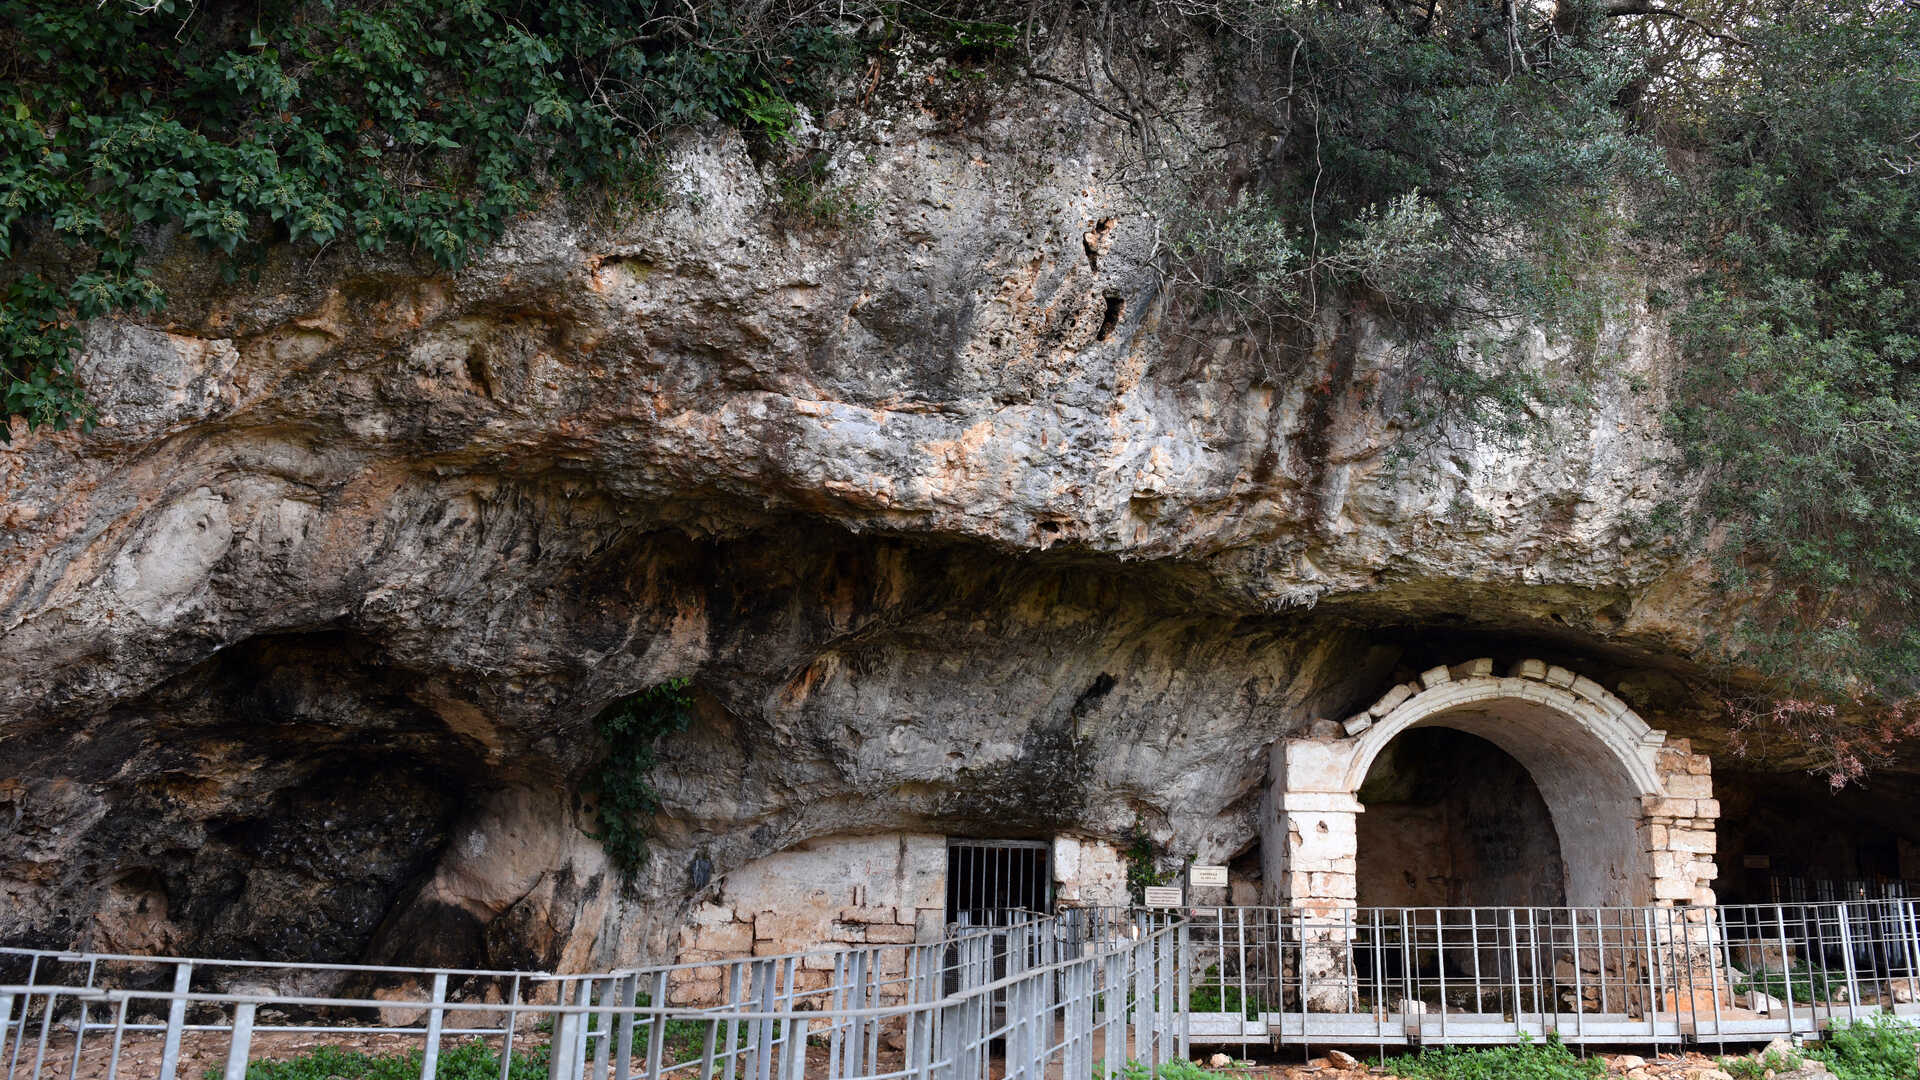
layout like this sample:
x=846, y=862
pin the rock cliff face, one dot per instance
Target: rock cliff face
x=952, y=525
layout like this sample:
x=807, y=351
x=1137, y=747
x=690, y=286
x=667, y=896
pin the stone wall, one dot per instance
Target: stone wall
x=1680, y=827
x=837, y=892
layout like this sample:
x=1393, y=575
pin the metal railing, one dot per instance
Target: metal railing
x=1405, y=976
x=1087, y=993
x=1084, y=991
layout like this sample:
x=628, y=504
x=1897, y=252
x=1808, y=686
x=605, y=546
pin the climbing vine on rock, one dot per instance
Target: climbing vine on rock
x=1143, y=861
x=630, y=729
x=412, y=125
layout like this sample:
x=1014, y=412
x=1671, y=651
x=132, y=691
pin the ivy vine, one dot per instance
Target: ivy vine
x=630, y=729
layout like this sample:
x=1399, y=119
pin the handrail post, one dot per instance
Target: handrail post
x=1185, y=990
x=628, y=998
x=436, y=1017
x=176, y=1020
x=239, y=1049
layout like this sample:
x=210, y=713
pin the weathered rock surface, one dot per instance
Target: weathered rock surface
x=952, y=525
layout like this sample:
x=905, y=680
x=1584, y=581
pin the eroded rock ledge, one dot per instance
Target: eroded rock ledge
x=299, y=648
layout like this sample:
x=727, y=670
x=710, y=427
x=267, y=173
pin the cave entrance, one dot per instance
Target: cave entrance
x=1428, y=839
x=994, y=882
x=1631, y=813
x=1790, y=838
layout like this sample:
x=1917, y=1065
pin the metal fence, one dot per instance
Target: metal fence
x=1075, y=994
x=1653, y=976
x=1081, y=991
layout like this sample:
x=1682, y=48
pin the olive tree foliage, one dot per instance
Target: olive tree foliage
x=1800, y=400
x=1455, y=170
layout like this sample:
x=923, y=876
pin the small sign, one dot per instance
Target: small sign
x=1162, y=896
x=1198, y=875
x=1757, y=862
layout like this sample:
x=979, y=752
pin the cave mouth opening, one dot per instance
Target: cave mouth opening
x=1453, y=820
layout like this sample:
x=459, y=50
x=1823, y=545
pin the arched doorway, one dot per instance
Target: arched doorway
x=1428, y=840
x=1632, y=814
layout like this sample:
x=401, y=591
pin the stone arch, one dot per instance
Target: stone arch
x=1634, y=811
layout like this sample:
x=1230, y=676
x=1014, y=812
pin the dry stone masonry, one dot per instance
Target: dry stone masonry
x=1635, y=811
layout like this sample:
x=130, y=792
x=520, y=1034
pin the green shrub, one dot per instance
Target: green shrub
x=470, y=1060
x=1808, y=984
x=1177, y=1069
x=1209, y=995
x=1760, y=1066
x=1879, y=1048
x=1547, y=1061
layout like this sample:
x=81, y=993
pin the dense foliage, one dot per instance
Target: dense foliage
x=1877, y=1048
x=1803, y=334
x=385, y=124
x=630, y=730
x=1458, y=171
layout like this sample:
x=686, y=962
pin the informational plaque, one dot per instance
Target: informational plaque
x=1199, y=875
x=1163, y=896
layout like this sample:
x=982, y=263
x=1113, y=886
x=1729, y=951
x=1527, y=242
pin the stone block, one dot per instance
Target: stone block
x=1530, y=669
x=695, y=992
x=889, y=934
x=1434, y=676
x=1357, y=723
x=1658, y=806
x=1706, y=809
x=1672, y=889
x=1589, y=689
x=822, y=958
x=1672, y=864
x=1391, y=700
x=726, y=939
x=1478, y=668
x=1688, y=786
x=805, y=980
x=804, y=925
x=1560, y=676
x=1703, y=871
x=1698, y=841
x=1703, y=897
x=867, y=915
x=929, y=924
x=1699, y=764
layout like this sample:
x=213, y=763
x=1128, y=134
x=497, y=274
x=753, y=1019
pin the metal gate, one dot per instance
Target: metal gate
x=993, y=882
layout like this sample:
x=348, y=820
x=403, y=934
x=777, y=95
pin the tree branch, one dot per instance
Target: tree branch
x=1617, y=8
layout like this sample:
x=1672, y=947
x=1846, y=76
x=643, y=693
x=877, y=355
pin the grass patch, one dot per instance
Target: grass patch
x=471, y=1060
x=1550, y=1060
x=1808, y=984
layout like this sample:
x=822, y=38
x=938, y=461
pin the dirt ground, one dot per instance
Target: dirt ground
x=203, y=1051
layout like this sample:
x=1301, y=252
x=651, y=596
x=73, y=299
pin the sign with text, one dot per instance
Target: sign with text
x=1162, y=896
x=1215, y=876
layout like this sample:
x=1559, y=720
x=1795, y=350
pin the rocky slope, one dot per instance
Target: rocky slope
x=950, y=521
